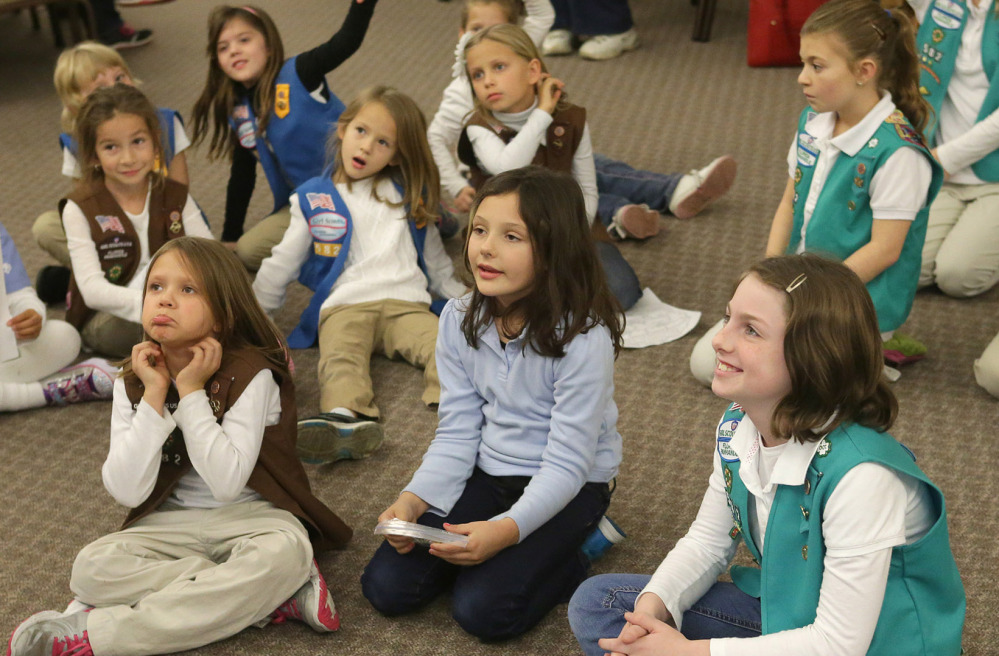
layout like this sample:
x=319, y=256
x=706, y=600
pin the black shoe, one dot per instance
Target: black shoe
x=126, y=37
x=52, y=284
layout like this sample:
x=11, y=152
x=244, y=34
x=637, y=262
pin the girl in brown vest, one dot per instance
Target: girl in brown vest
x=223, y=525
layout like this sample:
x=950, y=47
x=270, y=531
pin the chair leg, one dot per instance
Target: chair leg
x=703, y=20
x=56, y=15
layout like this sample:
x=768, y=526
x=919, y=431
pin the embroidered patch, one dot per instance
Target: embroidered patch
x=241, y=113
x=326, y=250
x=937, y=35
x=725, y=450
x=908, y=134
x=247, y=134
x=114, y=273
x=797, y=174
x=282, y=100
x=850, y=205
x=727, y=475
x=324, y=201
x=823, y=449
x=948, y=14
x=873, y=143
x=896, y=117
x=808, y=152
x=110, y=223
x=327, y=226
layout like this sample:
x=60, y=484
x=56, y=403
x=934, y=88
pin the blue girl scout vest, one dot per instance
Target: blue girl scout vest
x=938, y=41
x=331, y=228
x=924, y=604
x=15, y=276
x=168, y=137
x=842, y=219
x=293, y=150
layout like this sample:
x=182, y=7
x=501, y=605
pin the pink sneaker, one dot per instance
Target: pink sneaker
x=51, y=632
x=90, y=380
x=312, y=604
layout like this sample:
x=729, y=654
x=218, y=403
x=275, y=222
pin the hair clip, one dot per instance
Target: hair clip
x=797, y=282
x=249, y=9
x=881, y=33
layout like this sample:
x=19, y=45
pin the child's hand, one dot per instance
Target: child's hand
x=149, y=365
x=463, y=201
x=27, y=325
x=408, y=507
x=485, y=540
x=207, y=358
x=549, y=92
x=659, y=638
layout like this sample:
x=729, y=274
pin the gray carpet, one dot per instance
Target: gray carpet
x=671, y=105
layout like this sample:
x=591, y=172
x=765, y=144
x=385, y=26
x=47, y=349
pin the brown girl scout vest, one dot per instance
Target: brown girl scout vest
x=115, y=238
x=278, y=475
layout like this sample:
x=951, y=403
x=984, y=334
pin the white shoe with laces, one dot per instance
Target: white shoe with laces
x=609, y=46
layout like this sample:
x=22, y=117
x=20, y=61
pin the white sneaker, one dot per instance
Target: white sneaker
x=634, y=221
x=557, y=42
x=698, y=188
x=609, y=46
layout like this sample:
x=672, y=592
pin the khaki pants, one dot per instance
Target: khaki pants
x=180, y=579
x=987, y=368
x=961, y=252
x=256, y=243
x=51, y=236
x=349, y=334
x=111, y=335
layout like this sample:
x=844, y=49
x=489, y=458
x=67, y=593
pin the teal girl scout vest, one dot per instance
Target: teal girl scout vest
x=923, y=609
x=842, y=220
x=937, y=42
x=331, y=228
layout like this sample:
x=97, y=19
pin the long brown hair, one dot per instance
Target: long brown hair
x=570, y=294
x=103, y=105
x=227, y=289
x=888, y=36
x=517, y=40
x=416, y=170
x=214, y=107
x=832, y=349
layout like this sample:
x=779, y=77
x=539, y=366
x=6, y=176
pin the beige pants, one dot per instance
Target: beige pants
x=961, y=253
x=180, y=579
x=256, y=243
x=107, y=334
x=987, y=368
x=51, y=236
x=349, y=334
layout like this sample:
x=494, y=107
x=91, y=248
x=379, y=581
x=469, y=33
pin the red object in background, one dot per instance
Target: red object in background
x=774, y=27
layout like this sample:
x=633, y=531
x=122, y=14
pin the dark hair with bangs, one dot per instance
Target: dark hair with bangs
x=214, y=107
x=229, y=293
x=832, y=349
x=570, y=294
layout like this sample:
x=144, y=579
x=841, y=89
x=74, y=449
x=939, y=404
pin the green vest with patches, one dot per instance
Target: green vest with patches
x=842, y=220
x=924, y=604
x=937, y=43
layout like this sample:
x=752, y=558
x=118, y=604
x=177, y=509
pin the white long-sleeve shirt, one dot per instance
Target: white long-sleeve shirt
x=381, y=262
x=496, y=156
x=222, y=454
x=858, y=535
x=122, y=301
x=457, y=103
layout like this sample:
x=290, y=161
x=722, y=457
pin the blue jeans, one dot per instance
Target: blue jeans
x=618, y=184
x=512, y=591
x=597, y=611
x=621, y=278
x=592, y=17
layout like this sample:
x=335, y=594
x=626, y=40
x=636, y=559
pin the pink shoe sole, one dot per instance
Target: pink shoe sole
x=714, y=186
x=640, y=222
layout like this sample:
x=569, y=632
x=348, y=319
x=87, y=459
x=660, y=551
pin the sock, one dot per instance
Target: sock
x=21, y=396
x=345, y=412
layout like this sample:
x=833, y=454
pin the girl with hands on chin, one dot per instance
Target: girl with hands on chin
x=527, y=441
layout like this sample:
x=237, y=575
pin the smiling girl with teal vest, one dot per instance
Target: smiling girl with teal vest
x=848, y=535
x=958, y=44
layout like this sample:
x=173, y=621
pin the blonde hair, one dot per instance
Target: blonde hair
x=218, y=98
x=514, y=10
x=76, y=68
x=416, y=170
x=517, y=40
x=103, y=105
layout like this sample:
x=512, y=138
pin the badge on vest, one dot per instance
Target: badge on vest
x=114, y=273
x=175, y=224
x=948, y=14
x=327, y=226
x=110, y=223
x=282, y=100
x=324, y=201
x=247, y=135
x=808, y=152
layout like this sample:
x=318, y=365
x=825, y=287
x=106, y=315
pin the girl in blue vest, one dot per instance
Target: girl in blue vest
x=258, y=106
x=860, y=177
x=363, y=238
x=223, y=526
x=958, y=43
x=527, y=442
x=849, y=536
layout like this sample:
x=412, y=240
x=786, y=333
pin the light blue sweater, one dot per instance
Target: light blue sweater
x=512, y=412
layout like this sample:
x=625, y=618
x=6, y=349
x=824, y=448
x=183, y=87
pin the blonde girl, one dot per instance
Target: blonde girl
x=860, y=177
x=120, y=213
x=223, y=524
x=363, y=238
x=849, y=535
x=258, y=106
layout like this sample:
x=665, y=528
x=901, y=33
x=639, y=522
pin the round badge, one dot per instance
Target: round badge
x=215, y=387
x=559, y=131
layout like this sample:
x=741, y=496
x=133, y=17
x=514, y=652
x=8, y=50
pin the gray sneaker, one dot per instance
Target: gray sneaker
x=331, y=436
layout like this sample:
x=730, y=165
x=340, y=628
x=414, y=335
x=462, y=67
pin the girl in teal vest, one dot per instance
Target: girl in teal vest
x=861, y=179
x=849, y=536
x=958, y=45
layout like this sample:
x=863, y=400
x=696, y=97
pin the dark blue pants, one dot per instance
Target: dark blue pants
x=592, y=17
x=512, y=591
x=621, y=278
